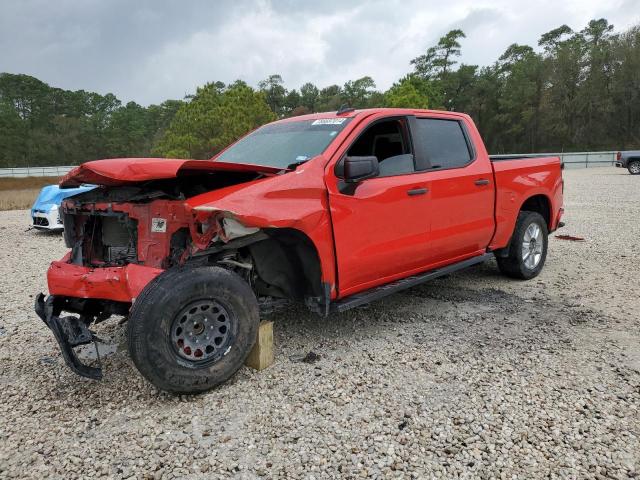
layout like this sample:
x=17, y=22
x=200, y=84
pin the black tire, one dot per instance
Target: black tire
x=634, y=167
x=152, y=327
x=513, y=264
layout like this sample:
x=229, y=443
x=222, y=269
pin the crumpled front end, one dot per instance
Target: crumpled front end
x=116, y=250
x=120, y=238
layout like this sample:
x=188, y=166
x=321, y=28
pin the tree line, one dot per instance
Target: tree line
x=578, y=90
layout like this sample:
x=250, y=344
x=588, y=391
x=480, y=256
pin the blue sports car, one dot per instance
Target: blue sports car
x=45, y=211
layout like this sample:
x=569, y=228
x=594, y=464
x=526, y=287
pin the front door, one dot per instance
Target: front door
x=380, y=225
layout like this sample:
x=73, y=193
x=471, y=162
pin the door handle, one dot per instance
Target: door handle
x=482, y=181
x=417, y=191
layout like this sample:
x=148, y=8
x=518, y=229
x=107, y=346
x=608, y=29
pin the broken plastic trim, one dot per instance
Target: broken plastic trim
x=69, y=332
x=232, y=228
x=218, y=228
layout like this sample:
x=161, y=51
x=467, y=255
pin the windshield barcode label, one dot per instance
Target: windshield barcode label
x=329, y=121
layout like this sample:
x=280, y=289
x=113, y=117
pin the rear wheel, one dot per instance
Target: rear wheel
x=192, y=328
x=528, y=249
x=634, y=167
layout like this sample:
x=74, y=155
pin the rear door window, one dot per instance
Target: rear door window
x=443, y=142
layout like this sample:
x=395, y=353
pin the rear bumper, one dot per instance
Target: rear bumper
x=121, y=284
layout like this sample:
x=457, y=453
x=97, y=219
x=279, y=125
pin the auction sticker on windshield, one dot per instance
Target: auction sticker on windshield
x=329, y=121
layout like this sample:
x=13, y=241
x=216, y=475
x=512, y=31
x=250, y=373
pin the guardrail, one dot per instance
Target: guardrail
x=570, y=160
x=35, y=171
x=575, y=159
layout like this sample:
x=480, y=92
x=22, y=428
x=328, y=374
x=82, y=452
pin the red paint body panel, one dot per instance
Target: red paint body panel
x=462, y=213
x=121, y=284
x=296, y=200
x=374, y=236
x=122, y=171
x=380, y=232
x=382, y=235
x=518, y=180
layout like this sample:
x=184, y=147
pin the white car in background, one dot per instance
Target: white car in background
x=45, y=212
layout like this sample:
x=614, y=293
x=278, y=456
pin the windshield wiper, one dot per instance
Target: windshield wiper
x=296, y=164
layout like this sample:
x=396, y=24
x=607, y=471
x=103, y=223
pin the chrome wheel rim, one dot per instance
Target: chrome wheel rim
x=201, y=331
x=532, y=246
x=634, y=167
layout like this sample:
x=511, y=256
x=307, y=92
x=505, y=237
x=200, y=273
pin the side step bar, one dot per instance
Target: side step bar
x=382, y=291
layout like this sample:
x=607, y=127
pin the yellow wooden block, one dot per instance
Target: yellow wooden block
x=261, y=355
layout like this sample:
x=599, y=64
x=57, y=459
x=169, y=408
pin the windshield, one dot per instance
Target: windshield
x=285, y=144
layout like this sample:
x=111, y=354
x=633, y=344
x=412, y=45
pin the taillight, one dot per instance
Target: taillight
x=618, y=156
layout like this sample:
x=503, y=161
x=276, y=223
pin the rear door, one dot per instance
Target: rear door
x=461, y=189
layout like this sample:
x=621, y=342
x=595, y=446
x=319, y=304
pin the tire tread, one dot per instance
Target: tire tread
x=147, y=313
x=512, y=265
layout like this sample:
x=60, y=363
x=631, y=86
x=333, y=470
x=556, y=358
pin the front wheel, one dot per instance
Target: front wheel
x=634, y=167
x=192, y=328
x=528, y=248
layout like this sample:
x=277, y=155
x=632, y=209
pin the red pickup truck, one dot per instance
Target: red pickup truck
x=331, y=209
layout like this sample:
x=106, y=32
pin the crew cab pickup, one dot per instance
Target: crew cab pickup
x=332, y=209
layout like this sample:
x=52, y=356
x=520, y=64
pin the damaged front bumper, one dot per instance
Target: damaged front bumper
x=69, y=332
x=122, y=284
x=94, y=294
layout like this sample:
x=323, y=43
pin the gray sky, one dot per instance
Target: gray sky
x=149, y=51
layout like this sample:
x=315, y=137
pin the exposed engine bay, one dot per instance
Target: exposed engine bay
x=115, y=226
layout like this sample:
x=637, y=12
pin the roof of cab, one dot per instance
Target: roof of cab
x=367, y=112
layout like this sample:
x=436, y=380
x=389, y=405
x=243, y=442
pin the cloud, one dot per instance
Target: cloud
x=149, y=51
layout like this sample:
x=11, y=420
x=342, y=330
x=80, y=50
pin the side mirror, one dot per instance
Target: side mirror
x=356, y=169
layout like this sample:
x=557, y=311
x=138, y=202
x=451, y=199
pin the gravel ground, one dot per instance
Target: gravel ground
x=474, y=375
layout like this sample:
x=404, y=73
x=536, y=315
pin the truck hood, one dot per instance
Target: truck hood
x=125, y=171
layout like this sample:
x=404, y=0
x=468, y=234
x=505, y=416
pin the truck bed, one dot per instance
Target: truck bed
x=498, y=158
x=519, y=178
